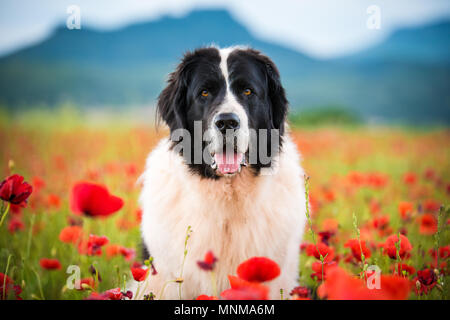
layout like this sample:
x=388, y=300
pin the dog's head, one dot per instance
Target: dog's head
x=226, y=108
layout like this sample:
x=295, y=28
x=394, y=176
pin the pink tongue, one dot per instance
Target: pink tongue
x=228, y=164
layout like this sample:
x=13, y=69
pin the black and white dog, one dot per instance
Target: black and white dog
x=223, y=107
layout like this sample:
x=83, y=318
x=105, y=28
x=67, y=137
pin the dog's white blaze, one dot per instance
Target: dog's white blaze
x=224, y=53
x=230, y=104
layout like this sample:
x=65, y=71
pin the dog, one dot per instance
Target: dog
x=238, y=204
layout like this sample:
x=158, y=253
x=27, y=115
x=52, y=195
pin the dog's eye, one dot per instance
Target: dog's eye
x=247, y=92
x=205, y=93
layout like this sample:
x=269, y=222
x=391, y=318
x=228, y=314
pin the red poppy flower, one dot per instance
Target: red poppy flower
x=425, y=281
x=430, y=205
x=429, y=174
x=319, y=271
x=410, y=178
x=330, y=225
x=139, y=215
x=15, y=224
x=208, y=262
x=326, y=251
x=7, y=286
x=258, y=269
x=405, y=209
x=355, y=245
x=128, y=254
x=112, y=294
x=205, y=297
x=303, y=246
x=71, y=234
x=86, y=283
x=37, y=183
x=53, y=201
x=314, y=204
x=139, y=274
x=325, y=236
x=377, y=180
x=15, y=191
x=381, y=222
x=356, y=178
x=50, y=264
x=444, y=252
x=428, y=224
x=95, y=244
x=300, y=292
x=245, y=294
x=15, y=209
x=245, y=290
x=112, y=250
x=329, y=195
x=125, y=224
x=131, y=170
x=115, y=249
x=339, y=285
x=391, y=250
x=374, y=206
x=93, y=200
x=394, y=288
x=403, y=268
x=92, y=174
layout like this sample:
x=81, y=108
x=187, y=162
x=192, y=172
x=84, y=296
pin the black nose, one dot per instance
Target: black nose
x=226, y=121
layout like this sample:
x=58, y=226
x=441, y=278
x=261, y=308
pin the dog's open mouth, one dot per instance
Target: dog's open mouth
x=228, y=163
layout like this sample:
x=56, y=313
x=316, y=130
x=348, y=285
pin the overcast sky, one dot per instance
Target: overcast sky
x=320, y=28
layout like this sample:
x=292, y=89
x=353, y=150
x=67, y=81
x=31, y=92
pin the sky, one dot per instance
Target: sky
x=319, y=28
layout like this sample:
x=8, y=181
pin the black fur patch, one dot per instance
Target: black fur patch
x=145, y=252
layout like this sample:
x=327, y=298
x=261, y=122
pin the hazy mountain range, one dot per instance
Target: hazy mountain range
x=406, y=78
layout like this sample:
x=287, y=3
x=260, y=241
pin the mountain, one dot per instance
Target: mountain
x=426, y=45
x=404, y=78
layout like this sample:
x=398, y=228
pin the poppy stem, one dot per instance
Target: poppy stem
x=39, y=283
x=5, y=277
x=30, y=231
x=214, y=285
x=5, y=213
x=137, y=290
x=358, y=234
x=308, y=216
x=185, y=252
x=164, y=287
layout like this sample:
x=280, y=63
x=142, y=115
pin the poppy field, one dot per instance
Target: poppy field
x=378, y=212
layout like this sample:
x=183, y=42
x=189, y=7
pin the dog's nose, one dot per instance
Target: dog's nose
x=226, y=121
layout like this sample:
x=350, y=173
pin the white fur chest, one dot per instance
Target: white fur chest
x=237, y=218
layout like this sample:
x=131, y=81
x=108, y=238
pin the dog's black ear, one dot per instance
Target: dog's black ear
x=277, y=95
x=172, y=100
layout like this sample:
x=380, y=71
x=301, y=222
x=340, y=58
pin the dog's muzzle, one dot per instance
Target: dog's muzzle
x=228, y=149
